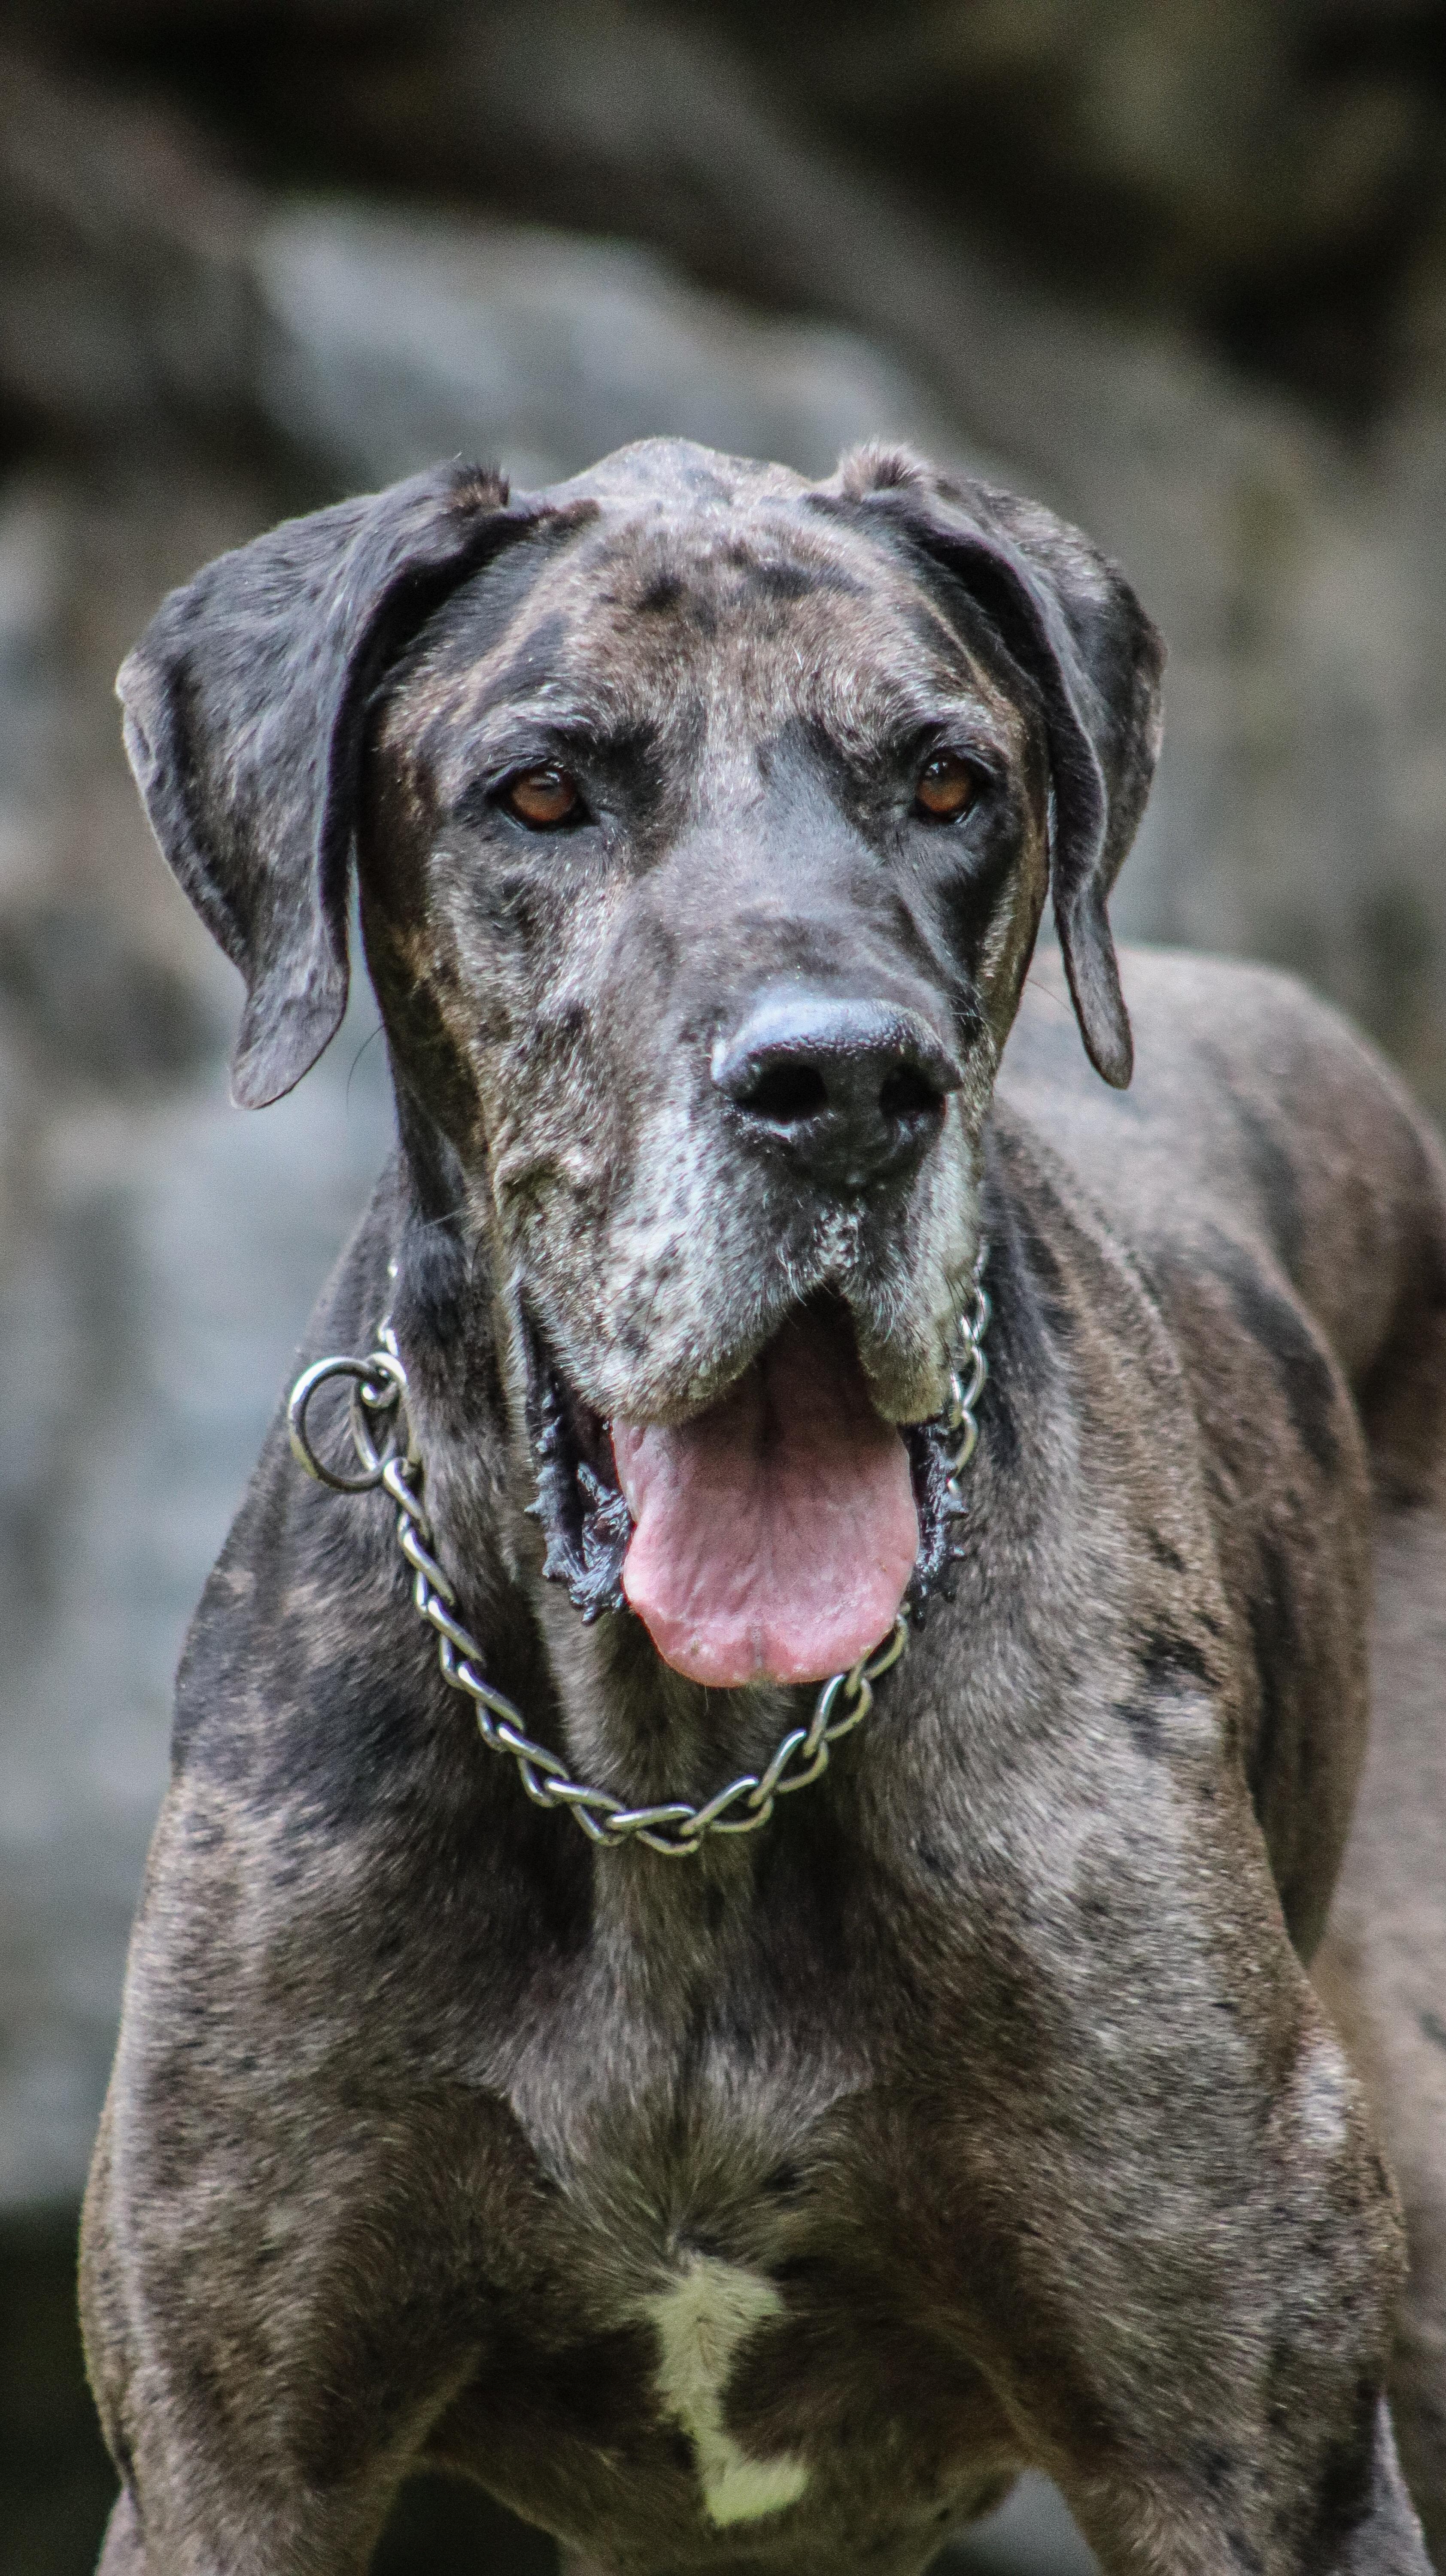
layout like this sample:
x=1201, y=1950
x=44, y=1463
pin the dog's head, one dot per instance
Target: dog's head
x=704, y=819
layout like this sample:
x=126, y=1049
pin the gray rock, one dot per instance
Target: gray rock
x=121, y=296
x=387, y=341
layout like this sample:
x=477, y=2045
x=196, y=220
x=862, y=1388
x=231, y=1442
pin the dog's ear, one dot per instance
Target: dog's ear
x=1068, y=618
x=245, y=708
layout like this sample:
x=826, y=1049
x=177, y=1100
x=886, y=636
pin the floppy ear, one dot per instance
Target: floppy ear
x=1067, y=616
x=245, y=707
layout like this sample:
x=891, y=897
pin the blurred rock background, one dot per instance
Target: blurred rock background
x=1178, y=266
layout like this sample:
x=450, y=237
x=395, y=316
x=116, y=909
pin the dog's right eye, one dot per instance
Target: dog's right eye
x=544, y=799
x=946, y=788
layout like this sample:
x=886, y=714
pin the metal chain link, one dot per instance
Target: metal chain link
x=385, y=1445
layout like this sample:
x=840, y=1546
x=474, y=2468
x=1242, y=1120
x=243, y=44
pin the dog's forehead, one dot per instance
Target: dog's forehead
x=702, y=580
x=647, y=595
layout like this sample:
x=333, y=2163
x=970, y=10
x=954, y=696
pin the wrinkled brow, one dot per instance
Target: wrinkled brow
x=522, y=692
x=596, y=732
x=595, y=723
x=871, y=713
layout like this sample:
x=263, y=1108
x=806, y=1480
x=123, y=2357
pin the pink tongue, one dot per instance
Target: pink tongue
x=774, y=1533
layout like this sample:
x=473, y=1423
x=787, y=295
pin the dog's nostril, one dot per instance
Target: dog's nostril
x=907, y=1094
x=786, y=1094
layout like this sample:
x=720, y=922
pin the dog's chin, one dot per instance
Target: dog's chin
x=770, y=1535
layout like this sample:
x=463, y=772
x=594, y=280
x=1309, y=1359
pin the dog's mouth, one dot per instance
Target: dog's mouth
x=772, y=1536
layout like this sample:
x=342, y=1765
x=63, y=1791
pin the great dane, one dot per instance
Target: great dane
x=797, y=2094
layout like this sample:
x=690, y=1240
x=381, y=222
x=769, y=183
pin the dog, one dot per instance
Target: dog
x=751, y=2177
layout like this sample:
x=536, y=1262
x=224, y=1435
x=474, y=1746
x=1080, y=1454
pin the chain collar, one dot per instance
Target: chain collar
x=388, y=1456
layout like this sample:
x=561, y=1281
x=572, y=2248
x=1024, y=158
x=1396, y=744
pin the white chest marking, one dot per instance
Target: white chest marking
x=701, y=2321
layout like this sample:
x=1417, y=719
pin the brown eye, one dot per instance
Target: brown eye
x=947, y=788
x=544, y=797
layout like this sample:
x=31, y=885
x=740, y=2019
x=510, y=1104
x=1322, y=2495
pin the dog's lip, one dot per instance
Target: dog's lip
x=578, y=1502
x=718, y=1378
x=542, y=1363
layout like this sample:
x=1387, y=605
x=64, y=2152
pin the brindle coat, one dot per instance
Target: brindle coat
x=775, y=2206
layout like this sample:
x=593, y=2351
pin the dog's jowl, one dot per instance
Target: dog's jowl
x=801, y=2010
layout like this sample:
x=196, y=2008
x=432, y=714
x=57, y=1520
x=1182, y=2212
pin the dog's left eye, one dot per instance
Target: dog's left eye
x=946, y=788
x=544, y=798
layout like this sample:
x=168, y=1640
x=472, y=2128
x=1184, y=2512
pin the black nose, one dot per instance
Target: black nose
x=853, y=1089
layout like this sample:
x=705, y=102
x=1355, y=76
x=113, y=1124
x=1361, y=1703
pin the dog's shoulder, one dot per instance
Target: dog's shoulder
x=1271, y=1179
x=1261, y=1134
x=1241, y=1072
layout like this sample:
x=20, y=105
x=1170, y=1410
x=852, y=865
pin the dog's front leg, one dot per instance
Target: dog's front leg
x=273, y=2323
x=196, y=2504
x=316, y=2542
x=1203, y=2303
x=1370, y=2530
x=202, y=2515
x=280, y=2462
x=313, y=2542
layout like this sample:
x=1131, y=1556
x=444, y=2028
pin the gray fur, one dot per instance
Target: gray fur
x=993, y=2059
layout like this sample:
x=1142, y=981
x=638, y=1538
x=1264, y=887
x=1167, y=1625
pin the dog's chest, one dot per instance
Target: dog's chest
x=718, y=2313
